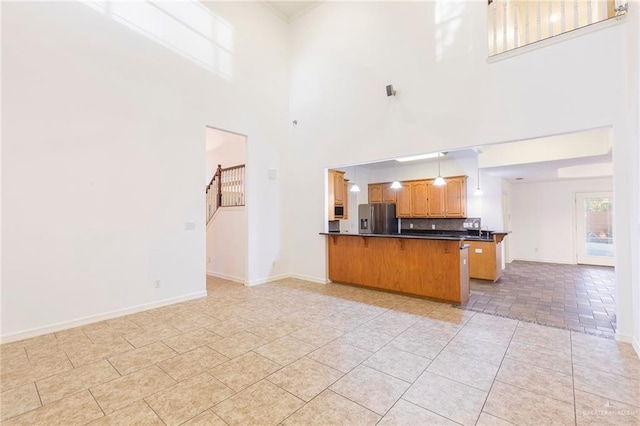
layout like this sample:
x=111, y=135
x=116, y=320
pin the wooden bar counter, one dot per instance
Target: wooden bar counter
x=433, y=267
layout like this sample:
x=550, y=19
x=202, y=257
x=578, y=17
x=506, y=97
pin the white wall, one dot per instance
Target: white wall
x=448, y=96
x=543, y=219
x=104, y=158
x=227, y=244
x=224, y=148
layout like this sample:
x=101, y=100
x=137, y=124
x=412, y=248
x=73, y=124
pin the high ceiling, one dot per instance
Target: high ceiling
x=289, y=10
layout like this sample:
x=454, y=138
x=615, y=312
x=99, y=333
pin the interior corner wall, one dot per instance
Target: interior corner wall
x=103, y=160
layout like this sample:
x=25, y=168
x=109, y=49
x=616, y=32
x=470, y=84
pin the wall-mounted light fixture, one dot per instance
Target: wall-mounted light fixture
x=390, y=90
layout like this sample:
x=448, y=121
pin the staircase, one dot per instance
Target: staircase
x=226, y=189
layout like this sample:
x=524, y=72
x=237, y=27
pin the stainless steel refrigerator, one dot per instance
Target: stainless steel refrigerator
x=378, y=218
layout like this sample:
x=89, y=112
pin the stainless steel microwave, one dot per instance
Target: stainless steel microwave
x=338, y=212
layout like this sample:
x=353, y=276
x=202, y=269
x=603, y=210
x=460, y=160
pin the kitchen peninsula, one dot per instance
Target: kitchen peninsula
x=436, y=267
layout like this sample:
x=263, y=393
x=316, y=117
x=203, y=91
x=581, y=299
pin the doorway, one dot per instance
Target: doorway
x=594, y=230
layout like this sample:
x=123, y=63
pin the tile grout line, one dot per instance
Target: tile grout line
x=495, y=377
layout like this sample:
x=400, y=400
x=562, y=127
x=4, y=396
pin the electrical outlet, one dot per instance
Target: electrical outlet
x=411, y=226
x=478, y=250
x=433, y=227
x=157, y=283
x=189, y=226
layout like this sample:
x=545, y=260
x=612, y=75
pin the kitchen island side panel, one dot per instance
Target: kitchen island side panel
x=422, y=267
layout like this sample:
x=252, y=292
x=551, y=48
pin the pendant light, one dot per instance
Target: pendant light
x=478, y=190
x=355, y=187
x=396, y=184
x=439, y=180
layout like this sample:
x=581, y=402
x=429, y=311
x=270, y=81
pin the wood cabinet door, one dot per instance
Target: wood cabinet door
x=388, y=194
x=403, y=201
x=375, y=193
x=338, y=187
x=456, y=197
x=436, y=200
x=345, y=189
x=419, y=198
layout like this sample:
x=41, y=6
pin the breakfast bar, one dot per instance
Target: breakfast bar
x=435, y=267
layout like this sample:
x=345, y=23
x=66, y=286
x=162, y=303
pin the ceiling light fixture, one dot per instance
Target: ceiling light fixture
x=421, y=156
x=355, y=187
x=439, y=180
x=478, y=190
x=396, y=183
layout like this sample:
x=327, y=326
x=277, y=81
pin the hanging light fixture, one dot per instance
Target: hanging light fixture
x=478, y=190
x=439, y=180
x=355, y=187
x=396, y=184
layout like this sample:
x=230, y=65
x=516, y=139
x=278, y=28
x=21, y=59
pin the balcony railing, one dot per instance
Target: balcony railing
x=517, y=23
x=226, y=189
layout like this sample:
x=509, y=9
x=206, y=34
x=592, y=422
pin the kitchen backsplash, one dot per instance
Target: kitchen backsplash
x=443, y=224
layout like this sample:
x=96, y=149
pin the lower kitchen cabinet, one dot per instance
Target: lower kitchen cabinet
x=485, y=260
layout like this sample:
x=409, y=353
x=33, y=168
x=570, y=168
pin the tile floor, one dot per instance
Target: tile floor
x=574, y=297
x=298, y=353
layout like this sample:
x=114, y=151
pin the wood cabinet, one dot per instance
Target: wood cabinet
x=431, y=268
x=485, y=260
x=382, y=193
x=338, y=185
x=419, y=198
x=345, y=189
x=403, y=200
x=338, y=194
x=388, y=194
x=375, y=193
x=422, y=199
x=449, y=200
x=455, y=197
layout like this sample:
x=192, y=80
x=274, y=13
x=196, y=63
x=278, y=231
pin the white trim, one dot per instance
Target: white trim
x=226, y=277
x=636, y=346
x=624, y=337
x=267, y=279
x=310, y=279
x=524, y=259
x=33, y=332
x=578, y=32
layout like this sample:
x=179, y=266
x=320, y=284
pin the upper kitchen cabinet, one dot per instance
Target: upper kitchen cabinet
x=375, y=193
x=338, y=185
x=403, y=200
x=382, y=193
x=449, y=200
x=338, y=195
x=420, y=198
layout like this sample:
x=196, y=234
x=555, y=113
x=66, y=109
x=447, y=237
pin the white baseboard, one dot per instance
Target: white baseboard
x=524, y=259
x=268, y=279
x=623, y=337
x=97, y=318
x=311, y=279
x=227, y=277
x=636, y=346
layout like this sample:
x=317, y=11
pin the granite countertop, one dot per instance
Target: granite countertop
x=427, y=235
x=408, y=236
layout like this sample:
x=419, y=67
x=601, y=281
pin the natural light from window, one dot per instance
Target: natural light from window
x=186, y=27
x=516, y=23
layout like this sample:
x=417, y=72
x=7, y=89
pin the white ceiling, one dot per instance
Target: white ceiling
x=289, y=10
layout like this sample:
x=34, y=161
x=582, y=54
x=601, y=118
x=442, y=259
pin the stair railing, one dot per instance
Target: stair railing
x=226, y=189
